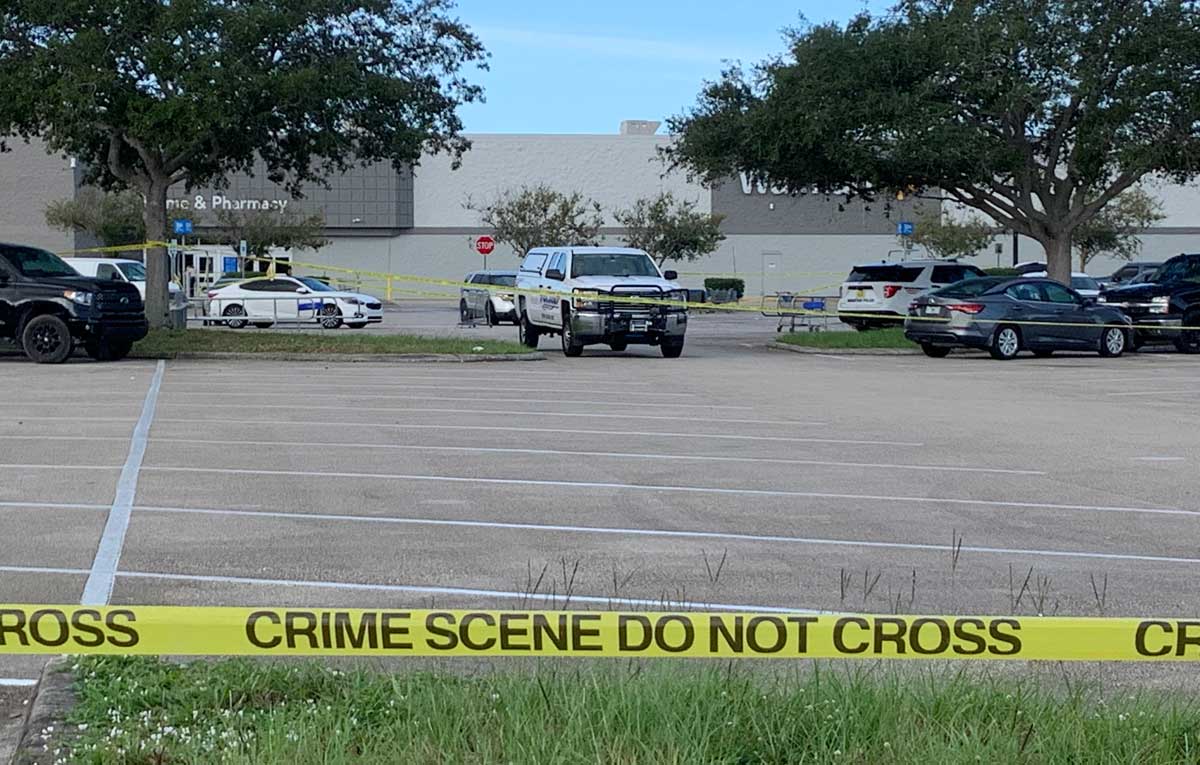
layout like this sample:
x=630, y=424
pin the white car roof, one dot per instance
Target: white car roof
x=113, y=261
x=598, y=250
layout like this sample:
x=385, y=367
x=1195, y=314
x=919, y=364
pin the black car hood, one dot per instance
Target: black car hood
x=87, y=284
x=1137, y=292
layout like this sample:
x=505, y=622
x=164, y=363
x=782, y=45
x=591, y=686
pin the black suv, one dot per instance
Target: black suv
x=46, y=307
x=1161, y=306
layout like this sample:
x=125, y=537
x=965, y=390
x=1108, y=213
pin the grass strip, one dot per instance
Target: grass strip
x=891, y=337
x=136, y=710
x=164, y=343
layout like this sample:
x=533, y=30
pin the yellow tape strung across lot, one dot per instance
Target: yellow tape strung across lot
x=390, y=279
x=168, y=630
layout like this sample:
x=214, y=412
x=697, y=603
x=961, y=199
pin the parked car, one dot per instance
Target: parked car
x=1170, y=299
x=590, y=295
x=1080, y=282
x=1006, y=315
x=122, y=270
x=47, y=308
x=485, y=301
x=291, y=299
x=887, y=289
x=1130, y=273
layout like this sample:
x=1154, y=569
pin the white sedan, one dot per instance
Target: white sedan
x=290, y=300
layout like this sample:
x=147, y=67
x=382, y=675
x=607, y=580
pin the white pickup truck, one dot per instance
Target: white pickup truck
x=593, y=295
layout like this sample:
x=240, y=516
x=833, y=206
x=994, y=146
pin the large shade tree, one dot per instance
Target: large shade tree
x=1037, y=113
x=149, y=94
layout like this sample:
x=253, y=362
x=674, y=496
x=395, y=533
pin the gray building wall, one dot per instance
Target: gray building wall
x=29, y=180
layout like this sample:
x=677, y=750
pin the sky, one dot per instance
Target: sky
x=564, y=66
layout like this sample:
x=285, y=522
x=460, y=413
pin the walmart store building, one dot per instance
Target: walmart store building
x=418, y=222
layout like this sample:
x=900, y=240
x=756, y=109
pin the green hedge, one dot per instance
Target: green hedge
x=714, y=283
x=1001, y=272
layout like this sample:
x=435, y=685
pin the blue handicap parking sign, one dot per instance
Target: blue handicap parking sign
x=183, y=226
x=905, y=228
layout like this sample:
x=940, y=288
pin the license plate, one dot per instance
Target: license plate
x=637, y=326
x=859, y=294
x=932, y=309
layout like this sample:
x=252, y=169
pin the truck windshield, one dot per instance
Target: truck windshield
x=134, y=272
x=1181, y=269
x=612, y=264
x=35, y=263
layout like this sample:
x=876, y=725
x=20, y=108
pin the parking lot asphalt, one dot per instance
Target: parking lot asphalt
x=733, y=477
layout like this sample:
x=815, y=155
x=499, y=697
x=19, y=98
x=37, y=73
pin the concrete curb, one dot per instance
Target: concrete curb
x=346, y=358
x=775, y=345
x=52, y=700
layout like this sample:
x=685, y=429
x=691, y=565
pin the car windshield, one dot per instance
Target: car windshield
x=504, y=281
x=36, y=263
x=1084, y=283
x=316, y=285
x=134, y=272
x=612, y=264
x=1181, y=269
x=885, y=273
x=970, y=288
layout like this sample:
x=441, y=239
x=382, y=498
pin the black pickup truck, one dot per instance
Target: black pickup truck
x=1164, y=308
x=47, y=308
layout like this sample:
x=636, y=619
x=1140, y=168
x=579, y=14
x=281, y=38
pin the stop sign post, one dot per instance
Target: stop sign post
x=484, y=245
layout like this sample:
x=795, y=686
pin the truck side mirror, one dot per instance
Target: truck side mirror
x=555, y=274
x=670, y=275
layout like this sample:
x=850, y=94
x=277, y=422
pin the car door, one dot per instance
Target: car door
x=294, y=300
x=1030, y=313
x=8, y=296
x=550, y=301
x=1069, y=318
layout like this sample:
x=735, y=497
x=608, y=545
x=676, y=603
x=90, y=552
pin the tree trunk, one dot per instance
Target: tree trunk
x=158, y=269
x=1058, y=258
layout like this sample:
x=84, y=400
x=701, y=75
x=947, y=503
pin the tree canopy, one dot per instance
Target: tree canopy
x=1037, y=113
x=263, y=230
x=114, y=219
x=670, y=229
x=947, y=238
x=539, y=216
x=152, y=93
x=1114, y=231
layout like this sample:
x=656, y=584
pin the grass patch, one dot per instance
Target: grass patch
x=134, y=711
x=891, y=337
x=166, y=343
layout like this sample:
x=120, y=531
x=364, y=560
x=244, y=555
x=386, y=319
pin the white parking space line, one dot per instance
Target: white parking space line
x=17, y=682
x=717, y=535
x=98, y=588
x=333, y=390
x=1131, y=393
x=513, y=429
x=307, y=446
x=42, y=570
x=220, y=399
x=16, y=466
x=1159, y=459
x=465, y=592
x=64, y=438
x=672, y=489
x=494, y=413
x=53, y=506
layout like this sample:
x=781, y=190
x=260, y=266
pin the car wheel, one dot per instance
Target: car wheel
x=331, y=316
x=47, y=340
x=1113, y=342
x=1006, y=343
x=570, y=346
x=1189, y=339
x=935, y=351
x=231, y=314
x=672, y=348
x=618, y=347
x=527, y=334
x=1043, y=354
x=108, y=350
x=489, y=314
x=464, y=315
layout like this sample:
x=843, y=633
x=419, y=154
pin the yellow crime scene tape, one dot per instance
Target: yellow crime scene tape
x=389, y=279
x=222, y=631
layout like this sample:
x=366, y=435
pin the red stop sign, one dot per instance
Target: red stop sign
x=484, y=245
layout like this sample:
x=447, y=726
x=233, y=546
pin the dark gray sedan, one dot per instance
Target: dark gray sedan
x=1005, y=315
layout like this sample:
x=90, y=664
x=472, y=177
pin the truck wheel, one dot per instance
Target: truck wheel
x=47, y=339
x=527, y=334
x=232, y=314
x=571, y=347
x=108, y=350
x=672, y=349
x=1189, y=339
